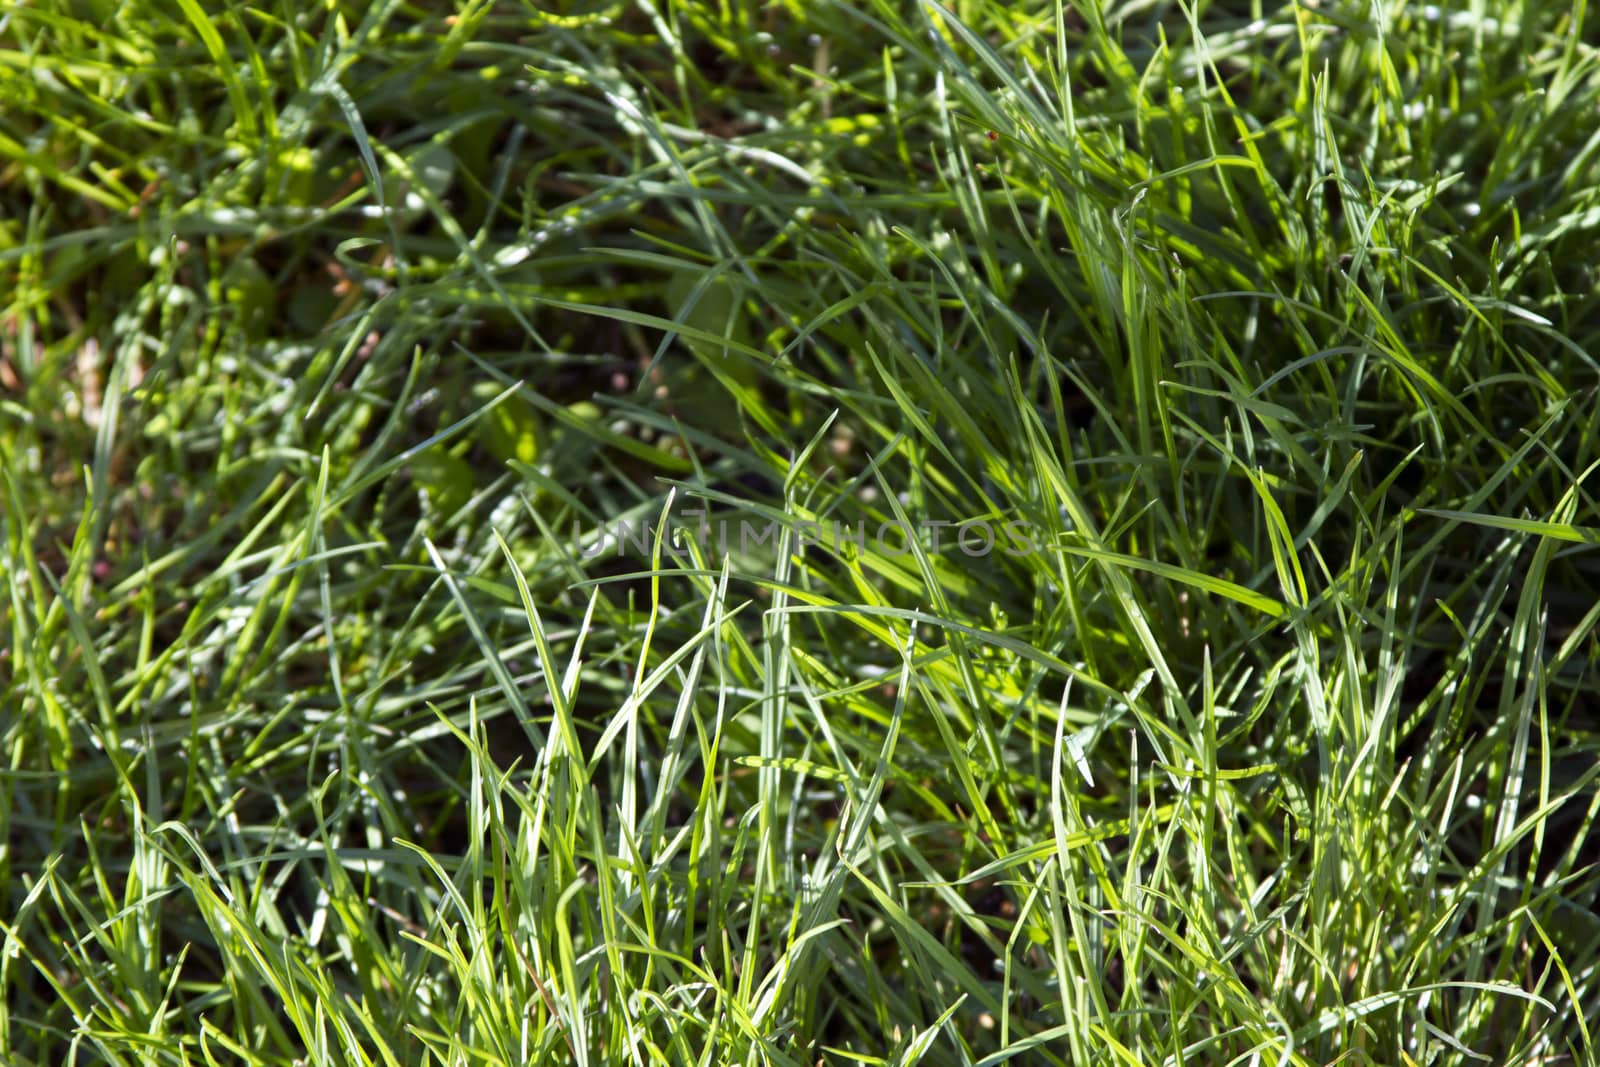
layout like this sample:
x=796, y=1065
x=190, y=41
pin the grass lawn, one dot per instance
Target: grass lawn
x=799, y=532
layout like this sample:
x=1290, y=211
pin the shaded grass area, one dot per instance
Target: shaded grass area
x=370, y=694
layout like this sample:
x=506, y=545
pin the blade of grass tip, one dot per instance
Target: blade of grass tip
x=922, y=1042
x=98, y=688
x=672, y=757
x=328, y=85
x=1195, y=579
x=1558, y=531
x=967, y=675
x=1090, y=946
x=22, y=549
x=244, y=113
x=641, y=690
x=917, y=942
x=556, y=681
x=861, y=809
x=316, y=543
x=356, y=338
x=502, y=677
x=106, y=433
x=1523, y=687
x=775, y=635
x=1056, y=483
x=642, y=684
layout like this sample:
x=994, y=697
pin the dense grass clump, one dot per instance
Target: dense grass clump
x=616, y=532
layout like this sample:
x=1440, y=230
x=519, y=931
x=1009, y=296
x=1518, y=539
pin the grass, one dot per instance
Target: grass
x=370, y=692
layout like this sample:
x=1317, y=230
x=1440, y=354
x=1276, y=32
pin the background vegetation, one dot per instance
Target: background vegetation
x=336, y=339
